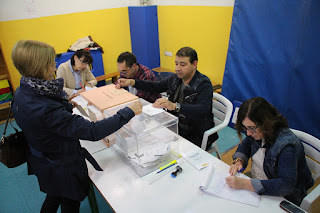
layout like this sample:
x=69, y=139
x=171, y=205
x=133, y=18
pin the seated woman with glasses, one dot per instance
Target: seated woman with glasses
x=76, y=73
x=279, y=166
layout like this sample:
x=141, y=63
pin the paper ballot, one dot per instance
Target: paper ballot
x=150, y=110
x=214, y=183
x=82, y=111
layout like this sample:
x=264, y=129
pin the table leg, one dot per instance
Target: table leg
x=92, y=200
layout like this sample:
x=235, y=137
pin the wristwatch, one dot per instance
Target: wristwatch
x=178, y=106
x=237, y=159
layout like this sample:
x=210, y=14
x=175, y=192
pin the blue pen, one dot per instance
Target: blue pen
x=241, y=170
x=166, y=168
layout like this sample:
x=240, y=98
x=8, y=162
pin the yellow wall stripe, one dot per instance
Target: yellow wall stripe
x=109, y=28
x=204, y=28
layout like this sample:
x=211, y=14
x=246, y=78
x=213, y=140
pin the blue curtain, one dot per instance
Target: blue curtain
x=145, y=35
x=274, y=52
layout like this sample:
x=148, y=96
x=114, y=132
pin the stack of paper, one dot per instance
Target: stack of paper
x=152, y=148
x=214, y=183
x=197, y=158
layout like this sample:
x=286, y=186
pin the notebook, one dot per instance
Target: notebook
x=214, y=183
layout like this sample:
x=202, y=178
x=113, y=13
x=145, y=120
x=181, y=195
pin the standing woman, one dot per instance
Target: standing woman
x=279, y=166
x=42, y=111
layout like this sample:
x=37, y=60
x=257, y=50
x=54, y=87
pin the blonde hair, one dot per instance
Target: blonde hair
x=32, y=58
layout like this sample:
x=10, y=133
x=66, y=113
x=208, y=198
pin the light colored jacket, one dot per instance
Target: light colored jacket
x=69, y=84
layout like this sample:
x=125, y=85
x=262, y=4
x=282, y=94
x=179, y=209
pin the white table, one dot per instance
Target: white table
x=125, y=191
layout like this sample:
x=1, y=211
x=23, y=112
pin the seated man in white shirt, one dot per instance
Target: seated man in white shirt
x=76, y=73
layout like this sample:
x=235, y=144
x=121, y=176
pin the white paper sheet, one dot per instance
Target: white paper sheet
x=214, y=183
x=197, y=158
x=89, y=88
x=150, y=110
x=31, y=9
x=80, y=101
x=82, y=111
x=148, y=156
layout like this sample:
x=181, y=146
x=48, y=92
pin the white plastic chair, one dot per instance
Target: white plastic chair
x=222, y=110
x=312, y=150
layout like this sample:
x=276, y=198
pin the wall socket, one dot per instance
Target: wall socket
x=168, y=53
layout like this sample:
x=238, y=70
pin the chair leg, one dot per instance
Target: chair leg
x=92, y=200
x=218, y=155
x=214, y=148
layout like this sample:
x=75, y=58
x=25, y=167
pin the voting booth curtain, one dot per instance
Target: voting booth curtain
x=145, y=35
x=274, y=52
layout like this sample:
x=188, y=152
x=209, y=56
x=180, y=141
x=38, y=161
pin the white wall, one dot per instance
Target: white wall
x=194, y=2
x=23, y=9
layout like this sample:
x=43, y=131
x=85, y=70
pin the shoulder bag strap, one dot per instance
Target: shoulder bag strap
x=8, y=118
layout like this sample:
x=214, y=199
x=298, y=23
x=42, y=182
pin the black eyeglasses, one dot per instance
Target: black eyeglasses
x=124, y=71
x=250, y=128
x=82, y=61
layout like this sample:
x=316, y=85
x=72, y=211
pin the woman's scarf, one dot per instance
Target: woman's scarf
x=52, y=88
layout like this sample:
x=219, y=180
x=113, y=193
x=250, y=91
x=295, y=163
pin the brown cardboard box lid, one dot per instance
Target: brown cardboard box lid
x=108, y=96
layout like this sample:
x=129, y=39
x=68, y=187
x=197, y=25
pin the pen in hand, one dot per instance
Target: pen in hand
x=241, y=170
x=82, y=86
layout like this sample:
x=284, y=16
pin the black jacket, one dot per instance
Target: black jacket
x=53, y=134
x=196, y=110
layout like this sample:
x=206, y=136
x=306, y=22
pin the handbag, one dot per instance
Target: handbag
x=14, y=147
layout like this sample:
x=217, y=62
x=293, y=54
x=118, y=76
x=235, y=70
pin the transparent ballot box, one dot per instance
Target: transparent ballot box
x=148, y=141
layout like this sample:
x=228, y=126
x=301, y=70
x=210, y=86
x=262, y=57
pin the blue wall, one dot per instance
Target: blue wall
x=145, y=35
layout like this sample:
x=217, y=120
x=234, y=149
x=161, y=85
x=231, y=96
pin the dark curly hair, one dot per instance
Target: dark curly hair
x=264, y=115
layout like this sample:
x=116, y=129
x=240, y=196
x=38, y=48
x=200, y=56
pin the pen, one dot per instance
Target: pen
x=241, y=170
x=167, y=165
x=82, y=86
